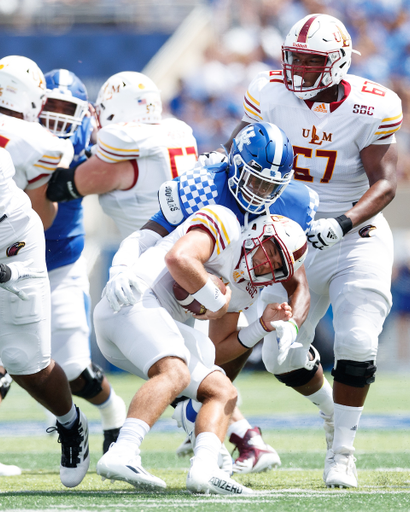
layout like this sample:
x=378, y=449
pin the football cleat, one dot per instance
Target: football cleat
x=9, y=470
x=254, y=454
x=110, y=436
x=75, y=453
x=342, y=471
x=212, y=480
x=118, y=464
x=185, y=449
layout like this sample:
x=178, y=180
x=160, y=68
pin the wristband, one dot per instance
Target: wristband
x=249, y=336
x=345, y=223
x=291, y=321
x=5, y=273
x=264, y=325
x=210, y=296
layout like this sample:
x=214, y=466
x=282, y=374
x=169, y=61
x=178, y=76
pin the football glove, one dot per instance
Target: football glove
x=18, y=271
x=286, y=333
x=211, y=158
x=324, y=233
x=119, y=289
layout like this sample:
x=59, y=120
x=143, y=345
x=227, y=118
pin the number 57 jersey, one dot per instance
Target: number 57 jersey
x=158, y=152
x=327, y=138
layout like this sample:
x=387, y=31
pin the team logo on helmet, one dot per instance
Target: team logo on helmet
x=14, y=249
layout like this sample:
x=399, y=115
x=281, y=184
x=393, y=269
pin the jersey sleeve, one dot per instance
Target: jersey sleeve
x=56, y=153
x=391, y=118
x=116, y=143
x=252, y=99
x=219, y=222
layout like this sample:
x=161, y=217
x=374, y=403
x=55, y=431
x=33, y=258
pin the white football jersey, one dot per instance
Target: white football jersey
x=14, y=203
x=223, y=226
x=35, y=151
x=159, y=153
x=327, y=138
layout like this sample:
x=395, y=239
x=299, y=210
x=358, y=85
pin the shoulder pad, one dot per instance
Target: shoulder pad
x=168, y=196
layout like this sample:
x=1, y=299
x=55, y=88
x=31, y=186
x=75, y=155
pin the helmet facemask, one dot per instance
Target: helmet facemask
x=289, y=242
x=63, y=124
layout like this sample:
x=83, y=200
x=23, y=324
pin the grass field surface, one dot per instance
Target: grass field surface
x=290, y=424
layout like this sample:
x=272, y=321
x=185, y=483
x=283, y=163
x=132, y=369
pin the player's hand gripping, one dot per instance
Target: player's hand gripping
x=120, y=288
x=286, y=333
x=326, y=232
x=12, y=273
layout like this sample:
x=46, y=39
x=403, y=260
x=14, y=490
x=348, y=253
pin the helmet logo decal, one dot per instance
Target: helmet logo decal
x=341, y=36
x=244, y=137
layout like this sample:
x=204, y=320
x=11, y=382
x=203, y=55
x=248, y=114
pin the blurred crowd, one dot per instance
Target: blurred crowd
x=249, y=35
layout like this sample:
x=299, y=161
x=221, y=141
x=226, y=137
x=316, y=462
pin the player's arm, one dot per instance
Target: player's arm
x=94, y=176
x=231, y=342
x=237, y=129
x=46, y=209
x=297, y=289
x=380, y=163
x=185, y=262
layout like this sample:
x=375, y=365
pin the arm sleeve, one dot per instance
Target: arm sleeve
x=134, y=245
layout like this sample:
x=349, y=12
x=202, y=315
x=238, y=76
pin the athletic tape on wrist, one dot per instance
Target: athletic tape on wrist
x=210, y=296
x=249, y=336
x=294, y=324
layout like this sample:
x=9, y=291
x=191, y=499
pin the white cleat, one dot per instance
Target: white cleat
x=117, y=464
x=9, y=470
x=225, y=461
x=342, y=471
x=205, y=480
x=75, y=453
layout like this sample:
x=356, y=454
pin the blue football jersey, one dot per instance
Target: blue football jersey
x=65, y=238
x=203, y=186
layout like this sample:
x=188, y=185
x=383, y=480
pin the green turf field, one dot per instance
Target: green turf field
x=383, y=458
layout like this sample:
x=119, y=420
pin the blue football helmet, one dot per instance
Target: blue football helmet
x=261, y=161
x=67, y=102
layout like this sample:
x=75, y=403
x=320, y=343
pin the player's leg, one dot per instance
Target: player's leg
x=5, y=381
x=70, y=346
x=143, y=340
x=25, y=352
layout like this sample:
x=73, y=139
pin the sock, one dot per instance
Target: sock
x=113, y=411
x=346, y=424
x=323, y=399
x=68, y=420
x=207, y=448
x=132, y=434
x=239, y=428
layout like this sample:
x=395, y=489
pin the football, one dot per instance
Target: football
x=188, y=302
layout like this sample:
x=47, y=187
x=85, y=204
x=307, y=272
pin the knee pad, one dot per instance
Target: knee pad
x=354, y=373
x=93, y=378
x=303, y=375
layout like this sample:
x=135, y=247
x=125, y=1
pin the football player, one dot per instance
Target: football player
x=67, y=115
x=342, y=128
x=257, y=174
x=136, y=152
x=150, y=337
x=25, y=316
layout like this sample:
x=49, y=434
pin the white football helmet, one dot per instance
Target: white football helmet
x=22, y=86
x=128, y=97
x=290, y=240
x=322, y=35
